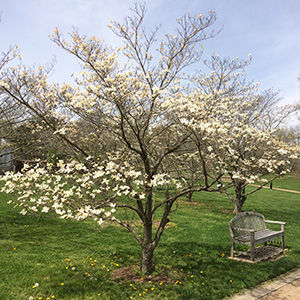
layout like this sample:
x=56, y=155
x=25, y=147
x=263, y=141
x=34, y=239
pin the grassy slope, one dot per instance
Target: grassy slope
x=288, y=182
x=195, y=248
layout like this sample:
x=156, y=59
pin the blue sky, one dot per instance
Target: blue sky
x=268, y=29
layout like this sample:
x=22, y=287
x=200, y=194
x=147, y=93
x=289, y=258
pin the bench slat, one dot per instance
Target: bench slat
x=258, y=235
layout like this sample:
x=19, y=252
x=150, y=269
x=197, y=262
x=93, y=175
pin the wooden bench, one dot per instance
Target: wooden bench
x=249, y=228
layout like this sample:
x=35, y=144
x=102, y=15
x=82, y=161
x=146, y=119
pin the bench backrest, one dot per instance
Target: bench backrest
x=247, y=220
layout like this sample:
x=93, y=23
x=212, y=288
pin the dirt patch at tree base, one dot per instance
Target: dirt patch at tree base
x=132, y=274
x=228, y=211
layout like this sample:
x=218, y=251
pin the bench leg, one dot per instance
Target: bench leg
x=282, y=243
x=252, y=252
x=252, y=246
x=232, y=249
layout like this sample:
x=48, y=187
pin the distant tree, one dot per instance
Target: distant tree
x=271, y=114
x=291, y=136
x=10, y=112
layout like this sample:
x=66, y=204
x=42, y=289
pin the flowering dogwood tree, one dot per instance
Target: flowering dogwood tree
x=135, y=102
x=248, y=156
x=245, y=147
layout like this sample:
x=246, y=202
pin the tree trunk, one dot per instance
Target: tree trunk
x=147, y=245
x=167, y=192
x=189, y=196
x=147, y=256
x=240, y=197
x=237, y=206
x=238, y=203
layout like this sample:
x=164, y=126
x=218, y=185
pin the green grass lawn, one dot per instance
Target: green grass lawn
x=51, y=258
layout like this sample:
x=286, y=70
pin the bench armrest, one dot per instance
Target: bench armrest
x=275, y=222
